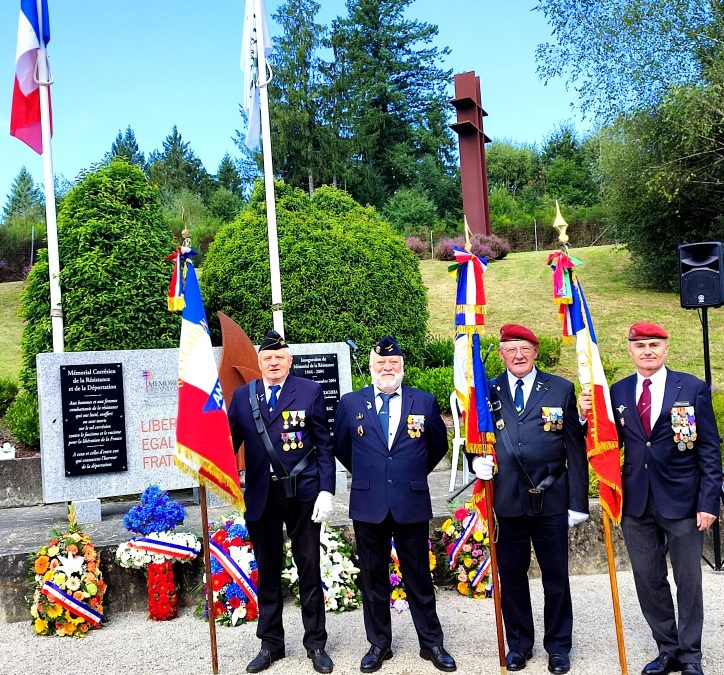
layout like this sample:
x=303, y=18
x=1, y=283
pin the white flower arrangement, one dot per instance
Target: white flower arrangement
x=338, y=572
x=128, y=555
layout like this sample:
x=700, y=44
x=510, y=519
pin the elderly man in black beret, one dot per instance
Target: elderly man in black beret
x=290, y=476
x=391, y=437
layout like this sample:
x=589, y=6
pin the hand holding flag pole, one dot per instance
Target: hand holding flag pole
x=601, y=437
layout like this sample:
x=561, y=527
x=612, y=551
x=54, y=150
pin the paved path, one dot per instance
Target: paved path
x=130, y=644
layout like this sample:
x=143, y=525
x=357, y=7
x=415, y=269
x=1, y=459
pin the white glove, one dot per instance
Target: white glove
x=575, y=517
x=322, y=507
x=483, y=467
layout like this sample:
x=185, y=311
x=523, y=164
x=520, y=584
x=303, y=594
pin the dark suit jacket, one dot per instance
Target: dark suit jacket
x=541, y=452
x=393, y=480
x=682, y=482
x=297, y=393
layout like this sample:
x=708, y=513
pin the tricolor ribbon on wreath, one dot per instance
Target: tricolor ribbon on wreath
x=55, y=594
x=463, y=539
x=224, y=559
x=482, y=571
x=161, y=547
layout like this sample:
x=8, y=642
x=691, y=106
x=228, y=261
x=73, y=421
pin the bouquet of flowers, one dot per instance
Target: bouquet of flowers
x=234, y=574
x=464, y=538
x=155, y=518
x=339, y=573
x=398, y=594
x=67, y=584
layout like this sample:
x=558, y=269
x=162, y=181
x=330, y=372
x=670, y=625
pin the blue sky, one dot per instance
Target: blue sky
x=155, y=63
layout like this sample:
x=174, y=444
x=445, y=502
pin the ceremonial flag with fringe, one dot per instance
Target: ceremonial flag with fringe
x=33, y=31
x=471, y=380
x=256, y=31
x=601, y=439
x=204, y=449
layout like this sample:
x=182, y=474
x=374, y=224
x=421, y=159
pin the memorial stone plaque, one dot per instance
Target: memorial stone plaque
x=94, y=421
x=324, y=370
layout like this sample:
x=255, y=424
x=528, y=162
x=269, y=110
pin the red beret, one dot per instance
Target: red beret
x=514, y=331
x=646, y=331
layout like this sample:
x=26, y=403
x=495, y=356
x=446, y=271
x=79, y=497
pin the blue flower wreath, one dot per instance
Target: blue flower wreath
x=157, y=512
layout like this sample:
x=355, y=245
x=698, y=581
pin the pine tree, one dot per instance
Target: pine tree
x=25, y=198
x=126, y=146
x=227, y=176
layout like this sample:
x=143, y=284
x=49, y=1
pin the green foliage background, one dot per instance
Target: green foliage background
x=344, y=272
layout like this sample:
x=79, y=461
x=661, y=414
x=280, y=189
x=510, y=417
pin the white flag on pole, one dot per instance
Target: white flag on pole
x=254, y=25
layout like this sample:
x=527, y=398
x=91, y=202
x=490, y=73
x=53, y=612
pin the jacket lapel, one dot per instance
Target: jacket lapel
x=502, y=390
x=672, y=388
x=540, y=387
x=407, y=400
x=633, y=417
x=368, y=394
x=285, y=401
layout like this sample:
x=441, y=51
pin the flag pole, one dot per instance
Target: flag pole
x=560, y=225
x=488, y=491
x=271, y=211
x=209, y=589
x=43, y=80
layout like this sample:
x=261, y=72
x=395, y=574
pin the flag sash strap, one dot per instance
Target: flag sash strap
x=482, y=571
x=231, y=566
x=463, y=539
x=153, y=545
x=393, y=553
x=56, y=594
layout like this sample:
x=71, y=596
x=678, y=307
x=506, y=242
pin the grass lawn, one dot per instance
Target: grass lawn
x=519, y=290
x=10, y=329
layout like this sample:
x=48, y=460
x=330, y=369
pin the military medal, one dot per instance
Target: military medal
x=285, y=438
x=285, y=416
x=547, y=426
x=300, y=442
x=293, y=414
x=552, y=418
x=415, y=425
x=683, y=424
x=302, y=414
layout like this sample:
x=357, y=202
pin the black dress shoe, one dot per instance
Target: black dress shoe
x=263, y=660
x=440, y=658
x=373, y=659
x=559, y=663
x=691, y=669
x=661, y=665
x=320, y=660
x=517, y=661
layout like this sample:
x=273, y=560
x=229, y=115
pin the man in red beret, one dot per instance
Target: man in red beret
x=672, y=477
x=541, y=489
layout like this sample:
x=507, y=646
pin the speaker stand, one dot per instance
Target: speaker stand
x=715, y=564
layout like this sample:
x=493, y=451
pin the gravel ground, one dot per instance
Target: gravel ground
x=131, y=644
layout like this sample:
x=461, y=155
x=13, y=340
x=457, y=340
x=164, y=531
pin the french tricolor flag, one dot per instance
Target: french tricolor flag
x=33, y=32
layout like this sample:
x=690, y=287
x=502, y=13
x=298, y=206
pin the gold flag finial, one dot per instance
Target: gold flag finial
x=561, y=225
x=468, y=245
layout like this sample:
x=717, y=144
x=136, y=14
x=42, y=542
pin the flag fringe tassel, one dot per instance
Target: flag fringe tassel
x=219, y=482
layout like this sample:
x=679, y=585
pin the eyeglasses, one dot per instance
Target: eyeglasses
x=511, y=351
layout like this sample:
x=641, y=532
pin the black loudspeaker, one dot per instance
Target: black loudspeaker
x=701, y=268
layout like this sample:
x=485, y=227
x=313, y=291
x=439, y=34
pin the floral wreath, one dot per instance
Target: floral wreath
x=234, y=574
x=67, y=584
x=398, y=593
x=158, y=547
x=464, y=537
x=339, y=573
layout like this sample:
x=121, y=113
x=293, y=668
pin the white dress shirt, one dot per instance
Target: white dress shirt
x=528, y=381
x=395, y=412
x=658, y=384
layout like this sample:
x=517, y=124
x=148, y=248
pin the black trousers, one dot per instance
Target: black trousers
x=549, y=537
x=268, y=539
x=646, y=539
x=373, y=550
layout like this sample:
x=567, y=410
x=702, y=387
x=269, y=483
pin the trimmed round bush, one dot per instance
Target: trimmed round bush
x=112, y=241
x=345, y=273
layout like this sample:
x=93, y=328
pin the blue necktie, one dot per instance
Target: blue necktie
x=274, y=388
x=518, y=400
x=384, y=415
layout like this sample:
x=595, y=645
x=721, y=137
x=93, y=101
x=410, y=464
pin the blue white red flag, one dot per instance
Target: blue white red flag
x=602, y=439
x=256, y=30
x=203, y=439
x=33, y=31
